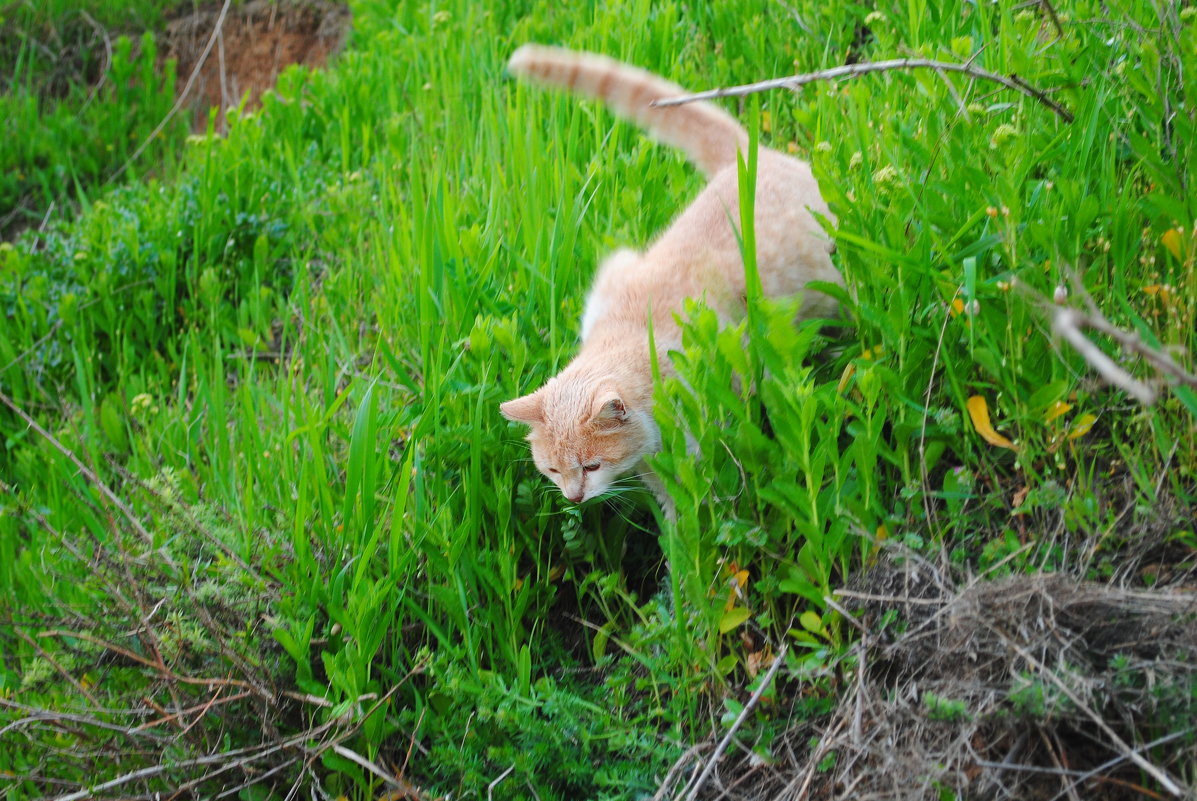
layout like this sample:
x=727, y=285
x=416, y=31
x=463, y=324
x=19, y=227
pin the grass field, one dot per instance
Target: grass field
x=262, y=528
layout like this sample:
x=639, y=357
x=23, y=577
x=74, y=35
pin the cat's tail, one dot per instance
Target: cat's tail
x=708, y=135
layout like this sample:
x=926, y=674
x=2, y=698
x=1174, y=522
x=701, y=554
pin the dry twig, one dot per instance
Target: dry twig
x=1157, y=773
x=1068, y=322
x=727, y=738
x=1011, y=81
x=90, y=474
x=216, y=29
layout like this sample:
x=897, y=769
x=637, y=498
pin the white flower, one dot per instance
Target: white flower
x=886, y=175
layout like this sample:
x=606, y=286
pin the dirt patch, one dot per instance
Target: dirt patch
x=253, y=44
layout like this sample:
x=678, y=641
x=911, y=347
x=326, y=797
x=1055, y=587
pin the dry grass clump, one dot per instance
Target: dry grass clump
x=1028, y=687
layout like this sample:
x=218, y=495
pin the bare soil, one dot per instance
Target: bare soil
x=254, y=43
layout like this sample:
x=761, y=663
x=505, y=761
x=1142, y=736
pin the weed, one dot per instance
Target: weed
x=266, y=386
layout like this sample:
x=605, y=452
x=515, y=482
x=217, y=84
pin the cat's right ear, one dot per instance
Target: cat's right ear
x=528, y=409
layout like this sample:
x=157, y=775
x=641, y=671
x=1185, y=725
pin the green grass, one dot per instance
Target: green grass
x=286, y=363
x=81, y=92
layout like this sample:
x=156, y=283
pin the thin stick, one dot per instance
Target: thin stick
x=1011, y=81
x=1066, y=324
x=490, y=788
x=1157, y=773
x=247, y=755
x=943, y=329
x=55, y=664
x=1053, y=16
x=34, y=714
x=727, y=738
x=90, y=474
x=846, y=615
x=1160, y=359
x=677, y=767
x=99, y=29
x=1096, y=773
x=357, y=758
x=812, y=764
x=865, y=596
x=182, y=95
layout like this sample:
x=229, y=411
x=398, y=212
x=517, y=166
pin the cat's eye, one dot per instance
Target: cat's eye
x=590, y=468
x=553, y=470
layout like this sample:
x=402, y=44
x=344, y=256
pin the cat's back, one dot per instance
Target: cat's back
x=701, y=247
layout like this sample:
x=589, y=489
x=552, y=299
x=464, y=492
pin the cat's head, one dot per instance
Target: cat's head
x=585, y=433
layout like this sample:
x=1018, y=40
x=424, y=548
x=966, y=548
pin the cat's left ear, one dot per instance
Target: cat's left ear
x=609, y=412
x=528, y=409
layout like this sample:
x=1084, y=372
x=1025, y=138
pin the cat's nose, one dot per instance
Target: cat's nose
x=576, y=497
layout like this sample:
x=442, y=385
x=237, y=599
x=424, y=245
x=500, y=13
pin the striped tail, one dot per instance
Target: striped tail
x=708, y=135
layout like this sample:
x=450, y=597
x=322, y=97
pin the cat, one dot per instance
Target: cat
x=593, y=422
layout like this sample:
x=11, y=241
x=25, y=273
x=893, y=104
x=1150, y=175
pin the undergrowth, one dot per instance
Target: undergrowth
x=263, y=528
x=81, y=92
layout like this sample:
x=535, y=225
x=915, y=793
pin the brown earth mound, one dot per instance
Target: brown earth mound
x=254, y=42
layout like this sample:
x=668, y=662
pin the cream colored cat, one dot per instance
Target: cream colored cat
x=593, y=422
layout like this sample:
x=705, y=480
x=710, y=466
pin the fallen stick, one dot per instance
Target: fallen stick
x=727, y=738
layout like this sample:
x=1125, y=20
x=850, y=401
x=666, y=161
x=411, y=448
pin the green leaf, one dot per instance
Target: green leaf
x=733, y=618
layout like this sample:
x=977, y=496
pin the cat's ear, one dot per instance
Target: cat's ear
x=528, y=409
x=609, y=412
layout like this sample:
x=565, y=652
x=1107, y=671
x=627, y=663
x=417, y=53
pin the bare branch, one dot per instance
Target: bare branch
x=1011, y=81
x=1066, y=323
x=1160, y=359
x=199, y=63
x=1050, y=10
x=1157, y=773
x=397, y=784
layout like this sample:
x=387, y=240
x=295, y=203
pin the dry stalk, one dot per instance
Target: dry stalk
x=37, y=714
x=793, y=82
x=1156, y=772
x=1068, y=323
x=390, y=780
x=244, y=756
x=691, y=754
x=88, y=473
x=216, y=29
x=1160, y=359
x=727, y=738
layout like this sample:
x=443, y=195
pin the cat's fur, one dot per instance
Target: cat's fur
x=593, y=422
